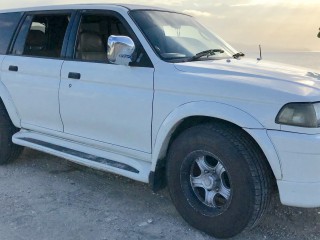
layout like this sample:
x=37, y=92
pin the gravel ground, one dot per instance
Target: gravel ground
x=45, y=197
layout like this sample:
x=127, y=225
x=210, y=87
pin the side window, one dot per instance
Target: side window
x=94, y=31
x=93, y=34
x=8, y=25
x=42, y=35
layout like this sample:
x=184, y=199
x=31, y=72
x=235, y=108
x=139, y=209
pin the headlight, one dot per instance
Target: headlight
x=300, y=114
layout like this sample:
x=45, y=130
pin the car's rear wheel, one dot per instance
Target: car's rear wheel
x=8, y=150
x=218, y=179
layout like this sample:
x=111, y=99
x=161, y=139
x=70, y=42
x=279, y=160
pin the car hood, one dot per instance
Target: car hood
x=269, y=75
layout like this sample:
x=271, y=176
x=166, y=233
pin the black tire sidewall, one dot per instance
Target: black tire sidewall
x=8, y=150
x=239, y=212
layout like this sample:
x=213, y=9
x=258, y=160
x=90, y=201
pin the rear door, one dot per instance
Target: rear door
x=32, y=72
x=101, y=101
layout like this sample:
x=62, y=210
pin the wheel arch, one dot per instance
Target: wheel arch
x=194, y=113
x=7, y=102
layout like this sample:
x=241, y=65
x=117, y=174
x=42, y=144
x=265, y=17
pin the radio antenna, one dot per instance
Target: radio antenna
x=260, y=50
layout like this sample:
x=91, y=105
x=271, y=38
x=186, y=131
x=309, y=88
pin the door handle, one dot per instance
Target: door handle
x=74, y=75
x=13, y=68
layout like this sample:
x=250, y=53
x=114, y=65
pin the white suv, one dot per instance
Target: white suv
x=152, y=95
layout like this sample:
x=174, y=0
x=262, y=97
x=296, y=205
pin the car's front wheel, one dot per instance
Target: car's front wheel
x=218, y=179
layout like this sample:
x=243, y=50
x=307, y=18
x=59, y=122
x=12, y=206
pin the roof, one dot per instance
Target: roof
x=83, y=6
x=140, y=7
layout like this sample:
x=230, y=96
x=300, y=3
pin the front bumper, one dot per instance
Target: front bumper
x=299, y=156
x=297, y=194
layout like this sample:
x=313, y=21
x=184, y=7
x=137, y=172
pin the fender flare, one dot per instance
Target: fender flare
x=216, y=110
x=9, y=105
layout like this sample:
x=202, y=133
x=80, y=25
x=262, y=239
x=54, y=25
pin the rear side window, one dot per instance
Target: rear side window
x=8, y=25
x=42, y=35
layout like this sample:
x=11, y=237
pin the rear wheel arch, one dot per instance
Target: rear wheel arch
x=7, y=103
x=8, y=150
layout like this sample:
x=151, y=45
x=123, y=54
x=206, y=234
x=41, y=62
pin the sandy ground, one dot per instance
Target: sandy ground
x=44, y=197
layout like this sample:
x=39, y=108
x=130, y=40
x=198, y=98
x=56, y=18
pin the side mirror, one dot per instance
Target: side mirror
x=121, y=50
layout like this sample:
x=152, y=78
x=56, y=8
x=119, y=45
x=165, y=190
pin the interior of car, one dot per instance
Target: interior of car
x=93, y=35
x=46, y=35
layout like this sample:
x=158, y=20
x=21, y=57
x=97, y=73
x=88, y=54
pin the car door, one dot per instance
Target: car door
x=32, y=72
x=101, y=101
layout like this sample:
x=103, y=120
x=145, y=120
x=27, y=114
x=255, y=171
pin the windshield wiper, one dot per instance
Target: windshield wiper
x=238, y=55
x=206, y=53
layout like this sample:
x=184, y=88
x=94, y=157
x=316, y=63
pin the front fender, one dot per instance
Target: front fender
x=216, y=110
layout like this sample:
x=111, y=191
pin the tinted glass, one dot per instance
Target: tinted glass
x=8, y=25
x=42, y=35
x=18, y=47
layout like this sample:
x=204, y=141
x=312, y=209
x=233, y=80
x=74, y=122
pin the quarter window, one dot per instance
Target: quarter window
x=8, y=25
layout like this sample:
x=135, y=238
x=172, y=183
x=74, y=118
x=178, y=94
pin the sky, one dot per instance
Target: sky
x=278, y=25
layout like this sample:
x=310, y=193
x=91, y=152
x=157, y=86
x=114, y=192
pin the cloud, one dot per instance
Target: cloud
x=288, y=3
x=161, y=2
x=244, y=5
x=256, y=3
x=197, y=13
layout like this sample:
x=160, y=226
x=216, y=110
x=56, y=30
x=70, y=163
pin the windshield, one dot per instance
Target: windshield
x=177, y=37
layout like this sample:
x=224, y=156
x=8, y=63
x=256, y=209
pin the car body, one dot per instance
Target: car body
x=123, y=119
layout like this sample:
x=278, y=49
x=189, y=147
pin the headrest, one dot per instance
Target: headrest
x=36, y=39
x=91, y=42
x=90, y=27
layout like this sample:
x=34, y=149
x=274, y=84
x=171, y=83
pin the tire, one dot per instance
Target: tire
x=8, y=150
x=218, y=179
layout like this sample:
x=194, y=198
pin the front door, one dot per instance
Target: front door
x=101, y=101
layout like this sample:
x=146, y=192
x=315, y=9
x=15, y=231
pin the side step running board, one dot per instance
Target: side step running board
x=85, y=155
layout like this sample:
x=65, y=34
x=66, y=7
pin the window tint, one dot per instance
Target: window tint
x=45, y=36
x=8, y=25
x=93, y=35
x=18, y=46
